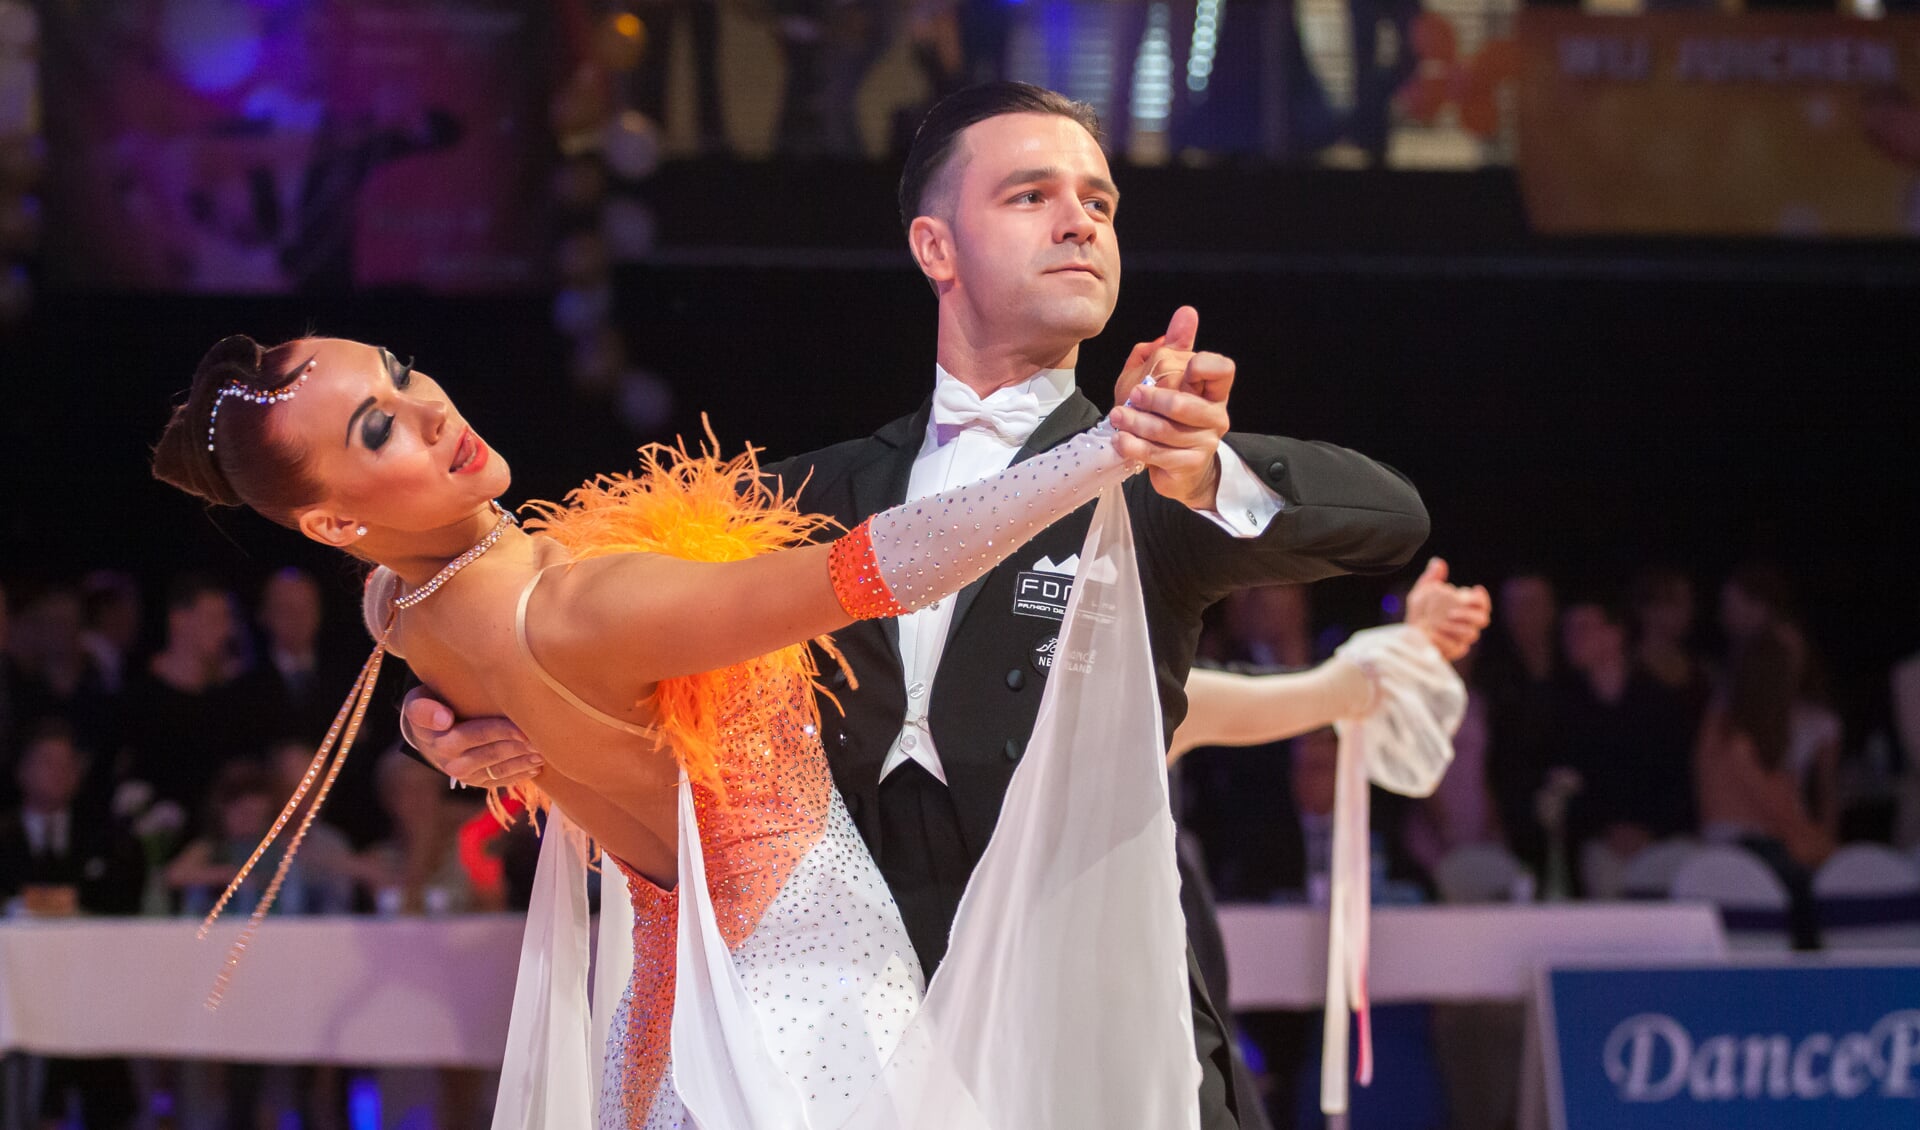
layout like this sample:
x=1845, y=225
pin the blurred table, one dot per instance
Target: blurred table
x=392, y=992
x=419, y=992
x=1277, y=955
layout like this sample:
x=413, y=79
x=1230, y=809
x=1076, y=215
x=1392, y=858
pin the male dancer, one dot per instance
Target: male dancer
x=1009, y=204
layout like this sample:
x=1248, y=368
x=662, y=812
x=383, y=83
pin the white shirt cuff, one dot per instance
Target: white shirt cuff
x=1243, y=504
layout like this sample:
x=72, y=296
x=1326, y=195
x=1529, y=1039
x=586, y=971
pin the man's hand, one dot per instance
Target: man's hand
x=487, y=753
x=1452, y=617
x=1175, y=425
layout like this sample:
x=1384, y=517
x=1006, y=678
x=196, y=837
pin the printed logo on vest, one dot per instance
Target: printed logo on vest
x=1042, y=591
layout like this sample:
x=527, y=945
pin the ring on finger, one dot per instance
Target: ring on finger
x=491, y=776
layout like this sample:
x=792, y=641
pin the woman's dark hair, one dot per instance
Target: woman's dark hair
x=939, y=131
x=1766, y=672
x=243, y=465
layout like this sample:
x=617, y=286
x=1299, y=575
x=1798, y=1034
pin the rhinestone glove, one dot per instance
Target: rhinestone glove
x=907, y=557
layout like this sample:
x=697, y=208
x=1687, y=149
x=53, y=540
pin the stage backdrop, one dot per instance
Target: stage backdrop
x=236, y=145
x=1705, y=124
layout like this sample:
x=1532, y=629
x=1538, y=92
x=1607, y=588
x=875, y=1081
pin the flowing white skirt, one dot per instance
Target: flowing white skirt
x=1063, y=999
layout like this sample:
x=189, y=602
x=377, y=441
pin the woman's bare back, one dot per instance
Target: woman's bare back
x=617, y=785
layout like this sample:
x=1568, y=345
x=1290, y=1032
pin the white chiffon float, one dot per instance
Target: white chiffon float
x=1404, y=744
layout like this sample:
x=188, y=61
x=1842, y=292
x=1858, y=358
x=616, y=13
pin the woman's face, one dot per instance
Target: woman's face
x=388, y=448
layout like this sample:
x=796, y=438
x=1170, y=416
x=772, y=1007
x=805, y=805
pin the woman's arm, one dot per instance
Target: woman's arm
x=194, y=867
x=1237, y=710
x=663, y=616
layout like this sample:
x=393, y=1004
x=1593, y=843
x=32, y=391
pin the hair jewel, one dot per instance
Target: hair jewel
x=254, y=396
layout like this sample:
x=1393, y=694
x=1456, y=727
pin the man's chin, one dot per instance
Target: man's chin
x=1072, y=321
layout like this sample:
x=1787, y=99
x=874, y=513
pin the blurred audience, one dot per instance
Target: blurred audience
x=1235, y=801
x=55, y=675
x=1663, y=620
x=321, y=879
x=9, y=711
x=1755, y=598
x=58, y=859
x=289, y=684
x=1517, y=672
x=1628, y=737
x=112, y=624
x=1748, y=793
x=183, y=717
x=1461, y=812
x=57, y=856
x=1903, y=689
x=419, y=870
x=240, y=807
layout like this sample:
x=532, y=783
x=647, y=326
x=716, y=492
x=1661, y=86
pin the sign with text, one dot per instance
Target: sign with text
x=1798, y=125
x=1778, y=1047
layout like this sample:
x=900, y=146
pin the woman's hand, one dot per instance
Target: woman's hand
x=1451, y=616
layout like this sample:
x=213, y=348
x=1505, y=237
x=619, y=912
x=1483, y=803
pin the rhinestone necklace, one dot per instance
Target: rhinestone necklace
x=403, y=603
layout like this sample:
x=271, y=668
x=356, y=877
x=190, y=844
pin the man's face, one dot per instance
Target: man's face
x=1589, y=637
x=1527, y=608
x=1030, y=203
x=50, y=773
x=205, y=627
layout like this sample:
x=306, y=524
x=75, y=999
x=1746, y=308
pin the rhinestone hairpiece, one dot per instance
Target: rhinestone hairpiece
x=253, y=396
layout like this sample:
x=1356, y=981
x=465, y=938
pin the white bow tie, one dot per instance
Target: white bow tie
x=1010, y=414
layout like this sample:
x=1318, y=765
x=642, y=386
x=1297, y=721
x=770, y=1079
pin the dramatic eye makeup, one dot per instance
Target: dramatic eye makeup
x=376, y=426
x=401, y=373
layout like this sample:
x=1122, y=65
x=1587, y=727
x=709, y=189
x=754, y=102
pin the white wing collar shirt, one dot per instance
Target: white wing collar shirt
x=970, y=437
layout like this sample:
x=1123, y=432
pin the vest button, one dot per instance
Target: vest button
x=1016, y=679
x=1013, y=749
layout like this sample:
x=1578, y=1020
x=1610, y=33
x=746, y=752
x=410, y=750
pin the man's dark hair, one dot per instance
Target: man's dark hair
x=939, y=131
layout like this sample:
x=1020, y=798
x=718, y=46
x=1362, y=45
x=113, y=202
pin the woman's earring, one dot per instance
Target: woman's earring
x=361, y=532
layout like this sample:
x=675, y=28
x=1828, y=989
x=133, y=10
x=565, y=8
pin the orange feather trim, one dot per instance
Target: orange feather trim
x=697, y=508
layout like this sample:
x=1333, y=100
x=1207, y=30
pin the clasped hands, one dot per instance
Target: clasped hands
x=1175, y=423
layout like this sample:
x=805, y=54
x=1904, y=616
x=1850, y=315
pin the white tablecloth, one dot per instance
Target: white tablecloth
x=436, y=991
x=314, y=990
x=1277, y=955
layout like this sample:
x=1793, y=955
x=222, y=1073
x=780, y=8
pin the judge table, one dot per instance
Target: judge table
x=437, y=991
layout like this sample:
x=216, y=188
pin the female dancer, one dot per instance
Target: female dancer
x=1396, y=703
x=653, y=634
